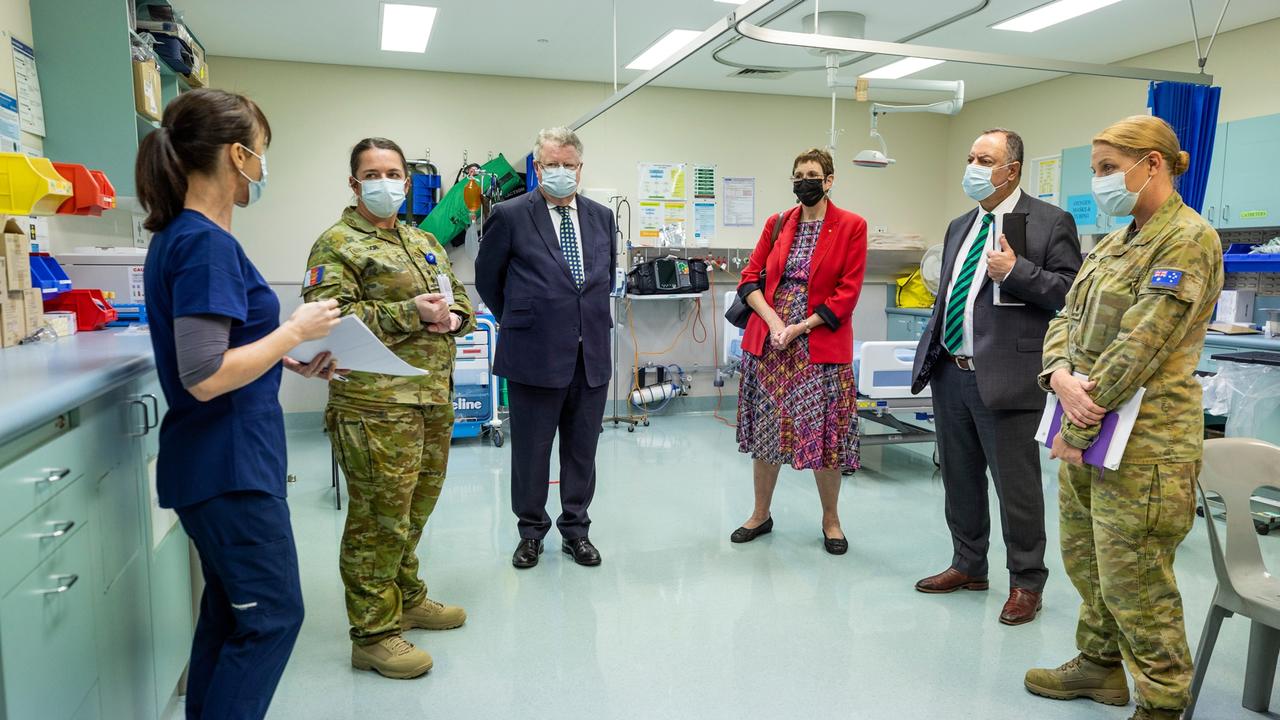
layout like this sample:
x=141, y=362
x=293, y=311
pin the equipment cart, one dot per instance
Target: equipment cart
x=475, y=387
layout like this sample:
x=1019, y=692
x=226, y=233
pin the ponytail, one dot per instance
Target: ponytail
x=195, y=127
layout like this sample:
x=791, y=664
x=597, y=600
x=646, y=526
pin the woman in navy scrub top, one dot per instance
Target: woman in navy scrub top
x=219, y=350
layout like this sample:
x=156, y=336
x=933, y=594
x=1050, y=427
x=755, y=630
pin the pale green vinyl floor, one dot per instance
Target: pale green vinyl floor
x=680, y=623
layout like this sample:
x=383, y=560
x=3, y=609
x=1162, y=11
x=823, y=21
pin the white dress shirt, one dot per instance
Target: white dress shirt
x=980, y=273
x=573, y=218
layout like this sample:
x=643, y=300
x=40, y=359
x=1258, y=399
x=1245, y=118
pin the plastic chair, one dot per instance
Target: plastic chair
x=1233, y=469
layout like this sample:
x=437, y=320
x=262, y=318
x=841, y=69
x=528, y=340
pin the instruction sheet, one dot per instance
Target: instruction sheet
x=704, y=182
x=662, y=181
x=30, y=106
x=704, y=223
x=739, y=202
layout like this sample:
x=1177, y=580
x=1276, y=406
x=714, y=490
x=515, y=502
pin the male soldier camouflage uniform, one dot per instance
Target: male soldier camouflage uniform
x=1136, y=317
x=391, y=433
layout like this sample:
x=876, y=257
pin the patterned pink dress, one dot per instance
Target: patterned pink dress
x=791, y=411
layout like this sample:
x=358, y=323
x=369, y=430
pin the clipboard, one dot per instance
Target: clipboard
x=1014, y=228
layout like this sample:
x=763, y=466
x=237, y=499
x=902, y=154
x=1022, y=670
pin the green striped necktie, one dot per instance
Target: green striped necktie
x=953, y=326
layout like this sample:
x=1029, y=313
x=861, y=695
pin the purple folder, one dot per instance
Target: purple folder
x=1096, y=454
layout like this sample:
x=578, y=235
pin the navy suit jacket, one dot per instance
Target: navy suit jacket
x=521, y=274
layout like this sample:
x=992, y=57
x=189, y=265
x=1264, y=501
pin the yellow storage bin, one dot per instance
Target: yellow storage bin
x=30, y=186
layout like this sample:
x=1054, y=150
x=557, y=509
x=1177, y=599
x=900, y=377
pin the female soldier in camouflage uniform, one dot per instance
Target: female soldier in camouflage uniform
x=391, y=434
x=1135, y=318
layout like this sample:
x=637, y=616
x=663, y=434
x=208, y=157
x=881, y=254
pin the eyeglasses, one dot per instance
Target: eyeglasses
x=571, y=167
x=808, y=177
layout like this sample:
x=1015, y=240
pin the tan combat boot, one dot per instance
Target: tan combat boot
x=1080, y=677
x=392, y=657
x=431, y=615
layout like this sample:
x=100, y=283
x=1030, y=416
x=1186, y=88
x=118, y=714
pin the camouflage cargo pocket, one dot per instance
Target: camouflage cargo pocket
x=350, y=441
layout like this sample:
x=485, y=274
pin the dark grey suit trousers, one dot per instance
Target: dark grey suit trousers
x=972, y=438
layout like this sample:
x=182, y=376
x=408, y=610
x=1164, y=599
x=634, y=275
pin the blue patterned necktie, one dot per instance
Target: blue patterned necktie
x=569, y=245
x=953, y=327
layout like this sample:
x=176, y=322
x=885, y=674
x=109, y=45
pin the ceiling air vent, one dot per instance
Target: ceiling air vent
x=760, y=74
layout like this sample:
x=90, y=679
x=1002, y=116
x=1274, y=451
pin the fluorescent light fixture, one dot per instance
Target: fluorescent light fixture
x=406, y=28
x=1051, y=14
x=663, y=49
x=731, y=2
x=901, y=68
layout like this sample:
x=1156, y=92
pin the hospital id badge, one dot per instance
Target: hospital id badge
x=446, y=288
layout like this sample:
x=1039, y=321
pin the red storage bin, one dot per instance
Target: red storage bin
x=92, y=192
x=92, y=310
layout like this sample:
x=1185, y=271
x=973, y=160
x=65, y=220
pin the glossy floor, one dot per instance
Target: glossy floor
x=680, y=623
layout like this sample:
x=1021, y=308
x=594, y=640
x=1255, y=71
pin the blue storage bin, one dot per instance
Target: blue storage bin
x=1238, y=259
x=471, y=403
x=48, y=276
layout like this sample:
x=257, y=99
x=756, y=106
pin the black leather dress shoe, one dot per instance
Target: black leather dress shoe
x=744, y=534
x=583, y=552
x=527, y=553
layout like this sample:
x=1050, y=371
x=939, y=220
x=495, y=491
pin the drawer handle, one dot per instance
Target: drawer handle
x=154, y=417
x=146, y=418
x=64, y=584
x=56, y=474
x=61, y=529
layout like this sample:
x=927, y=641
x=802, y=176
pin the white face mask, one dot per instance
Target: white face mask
x=977, y=181
x=1113, y=196
x=256, y=187
x=382, y=196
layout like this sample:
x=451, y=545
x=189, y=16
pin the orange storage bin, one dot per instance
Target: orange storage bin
x=91, y=194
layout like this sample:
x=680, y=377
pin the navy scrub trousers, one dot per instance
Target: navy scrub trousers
x=251, y=609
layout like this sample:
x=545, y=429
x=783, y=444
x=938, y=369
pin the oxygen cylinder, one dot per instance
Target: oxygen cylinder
x=654, y=393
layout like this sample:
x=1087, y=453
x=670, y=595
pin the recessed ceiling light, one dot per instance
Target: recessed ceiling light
x=663, y=49
x=406, y=28
x=1051, y=14
x=901, y=68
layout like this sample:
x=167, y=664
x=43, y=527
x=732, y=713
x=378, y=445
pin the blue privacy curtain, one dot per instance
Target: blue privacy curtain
x=1192, y=110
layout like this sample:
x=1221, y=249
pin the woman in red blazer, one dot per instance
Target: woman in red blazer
x=797, y=404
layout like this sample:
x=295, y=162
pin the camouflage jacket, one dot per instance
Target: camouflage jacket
x=374, y=274
x=1136, y=317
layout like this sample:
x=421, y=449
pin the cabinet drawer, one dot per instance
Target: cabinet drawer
x=39, y=535
x=47, y=624
x=39, y=465
x=117, y=512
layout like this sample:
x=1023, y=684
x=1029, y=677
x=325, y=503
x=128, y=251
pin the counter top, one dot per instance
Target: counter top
x=1251, y=342
x=40, y=381
x=917, y=312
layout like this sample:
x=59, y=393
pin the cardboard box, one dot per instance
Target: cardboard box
x=1235, y=306
x=11, y=320
x=32, y=311
x=4, y=279
x=146, y=89
x=199, y=75
x=17, y=257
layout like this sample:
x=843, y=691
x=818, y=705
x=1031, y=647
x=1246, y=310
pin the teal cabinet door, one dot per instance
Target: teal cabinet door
x=1249, y=197
x=1076, y=193
x=1212, y=208
x=125, y=646
x=171, y=620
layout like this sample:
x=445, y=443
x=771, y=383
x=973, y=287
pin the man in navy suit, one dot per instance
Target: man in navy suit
x=545, y=269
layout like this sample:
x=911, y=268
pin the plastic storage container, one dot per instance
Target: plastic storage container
x=48, y=276
x=92, y=192
x=30, y=186
x=92, y=310
x=1238, y=259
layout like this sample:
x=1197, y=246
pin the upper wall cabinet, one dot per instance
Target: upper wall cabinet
x=1241, y=192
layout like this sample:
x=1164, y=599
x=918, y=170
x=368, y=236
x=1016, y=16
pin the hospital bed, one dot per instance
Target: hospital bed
x=883, y=372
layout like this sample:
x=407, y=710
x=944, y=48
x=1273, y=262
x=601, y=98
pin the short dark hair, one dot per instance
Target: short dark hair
x=1013, y=144
x=379, y=143
x=189, y=141
x=816, y=155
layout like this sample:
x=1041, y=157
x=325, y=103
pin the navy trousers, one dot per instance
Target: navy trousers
x=251, y=610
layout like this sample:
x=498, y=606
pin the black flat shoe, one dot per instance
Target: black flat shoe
x=835, y=546
x=745, y=535
x=527, y=552
x=583, y=552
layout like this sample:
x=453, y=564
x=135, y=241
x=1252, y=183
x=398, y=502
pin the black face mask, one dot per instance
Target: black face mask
x=808, y=191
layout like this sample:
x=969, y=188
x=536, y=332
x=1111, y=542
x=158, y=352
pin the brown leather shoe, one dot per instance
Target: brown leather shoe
x=1021, y=607
x=950, y=580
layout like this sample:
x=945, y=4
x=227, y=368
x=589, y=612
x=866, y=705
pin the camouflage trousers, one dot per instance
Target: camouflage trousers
x=394, y=458
x=1120, y=530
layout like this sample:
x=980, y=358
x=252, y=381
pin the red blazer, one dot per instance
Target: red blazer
x=835, y=281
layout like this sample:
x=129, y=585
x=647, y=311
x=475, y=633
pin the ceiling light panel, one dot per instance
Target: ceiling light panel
x=901, y=68
x=406, y=28
x=1051, y=14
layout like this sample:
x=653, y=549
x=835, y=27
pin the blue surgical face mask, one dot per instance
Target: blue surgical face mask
x=977, y=181
x=382, y=196
x=256, y=187
x=560, y=182
x=1113, y=196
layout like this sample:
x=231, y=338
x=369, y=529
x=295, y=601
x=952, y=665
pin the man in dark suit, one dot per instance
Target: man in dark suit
x=981, y=360
x=545, y=269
